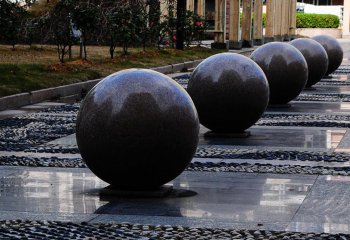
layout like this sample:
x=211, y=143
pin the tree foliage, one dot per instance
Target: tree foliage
x=122, y=23
x=127, y=23
x=85, y=18
x=12, y=17
x=194, y=28
x=59, y=28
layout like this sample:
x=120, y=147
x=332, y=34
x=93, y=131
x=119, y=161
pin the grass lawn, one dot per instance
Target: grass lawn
x=31, y=68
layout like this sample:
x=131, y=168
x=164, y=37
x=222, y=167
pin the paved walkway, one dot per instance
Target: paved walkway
x=289, y=180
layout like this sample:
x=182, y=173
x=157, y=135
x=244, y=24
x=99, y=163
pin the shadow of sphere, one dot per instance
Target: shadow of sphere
x=137, y=129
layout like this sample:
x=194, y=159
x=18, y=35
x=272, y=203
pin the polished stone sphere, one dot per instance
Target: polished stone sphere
x=285, y=68
x=137, y=129
x=315, y=56
x=333, y=49
x=230, y=92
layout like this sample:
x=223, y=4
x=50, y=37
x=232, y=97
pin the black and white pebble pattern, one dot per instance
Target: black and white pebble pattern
x=233, y=153
x=23, y=132
x=304, y=120
x=194, y=166
x=323, y=97
x=43, y=230
x=52, y=148
x=40, y=230
x=305, y=117
x=334, y=82
x=267, y=168
x=182, y=80
x=342, y=70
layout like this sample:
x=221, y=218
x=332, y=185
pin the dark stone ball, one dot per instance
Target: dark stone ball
x=285, y=68
x=315, y=56
x=137, y=129
x=333, y=49
x=230, y=92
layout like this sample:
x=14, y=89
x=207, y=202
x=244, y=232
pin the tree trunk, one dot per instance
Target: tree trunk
x=70, y=52
x=125, y=48
x=180, y=13
x=85, y=54
x=111, y=51
x=61, y=49
x=81, y=49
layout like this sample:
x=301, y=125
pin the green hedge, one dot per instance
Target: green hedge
x=313, y=20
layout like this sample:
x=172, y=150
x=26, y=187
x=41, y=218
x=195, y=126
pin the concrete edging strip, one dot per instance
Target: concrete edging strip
x=33, y=97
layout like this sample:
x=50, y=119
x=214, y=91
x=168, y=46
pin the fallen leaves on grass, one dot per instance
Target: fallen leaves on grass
x=70, y=66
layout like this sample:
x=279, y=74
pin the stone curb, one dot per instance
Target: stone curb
x=33, y=97
x=80, y=89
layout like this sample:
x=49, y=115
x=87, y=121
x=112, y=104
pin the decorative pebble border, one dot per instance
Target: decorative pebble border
x=194, y=166
x=43, y=230
x=307, y=120
x=64, y=109
x=40, y=230
x=26, y=131
x=233, y=153
x=324, y=97
x=342, y=70
x=325, y=82
x=183, y=77
x=305, y=117
x=51, y=148
x=267, y=168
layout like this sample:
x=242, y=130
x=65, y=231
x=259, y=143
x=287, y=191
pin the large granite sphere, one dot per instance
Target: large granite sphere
x=315, y=56
x=230, y=92
x=137, y=129
x=333, y=49
x=285, y=68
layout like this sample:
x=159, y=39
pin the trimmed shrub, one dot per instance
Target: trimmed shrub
x=313, y=20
